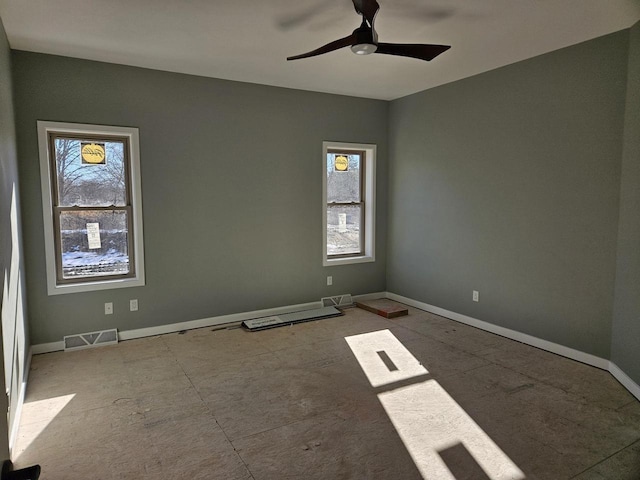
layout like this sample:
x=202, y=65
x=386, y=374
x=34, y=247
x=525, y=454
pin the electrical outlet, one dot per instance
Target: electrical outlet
x=476, y=296
x=108, y=308
x=329, y=280
x=133, y=305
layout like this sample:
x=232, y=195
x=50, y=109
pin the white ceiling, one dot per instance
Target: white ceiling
x=249, y=40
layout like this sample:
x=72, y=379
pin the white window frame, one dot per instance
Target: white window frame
x=53, y=288
x=369, y=203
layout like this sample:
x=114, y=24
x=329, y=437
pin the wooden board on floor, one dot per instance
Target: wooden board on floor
x=384, y=308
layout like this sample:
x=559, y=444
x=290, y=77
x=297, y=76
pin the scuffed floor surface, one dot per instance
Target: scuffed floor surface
x=331, y=399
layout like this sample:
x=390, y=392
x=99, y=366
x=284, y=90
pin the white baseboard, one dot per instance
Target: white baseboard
x=178, y=327
x=213, y=321
x=47, y=347
x=369, y=296
x=625, y=380
x=507, y=332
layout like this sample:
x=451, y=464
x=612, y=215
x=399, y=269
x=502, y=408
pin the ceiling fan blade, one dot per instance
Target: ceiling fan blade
x=413, y=50
x=329, y=47
x=367, y=8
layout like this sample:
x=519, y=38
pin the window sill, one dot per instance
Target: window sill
x=93, y=286
x=328, y=262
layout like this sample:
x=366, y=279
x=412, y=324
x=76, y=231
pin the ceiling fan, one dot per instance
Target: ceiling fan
x=364, y=39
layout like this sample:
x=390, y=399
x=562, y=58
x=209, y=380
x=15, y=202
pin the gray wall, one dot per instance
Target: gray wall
x=11, y=273
x=508, y=183
x=230, y=183
x=626, y=320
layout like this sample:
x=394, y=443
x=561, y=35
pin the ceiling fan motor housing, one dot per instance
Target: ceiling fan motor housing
x=364, y=43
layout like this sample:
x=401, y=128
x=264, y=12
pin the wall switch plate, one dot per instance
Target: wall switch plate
x=476, y=296
x=133, y=305
x=329, y=280
x=108, y=308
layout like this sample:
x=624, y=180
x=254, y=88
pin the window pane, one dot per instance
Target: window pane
x=343, y=178
x=343, y=229
x=90, y=173
x=94, y=243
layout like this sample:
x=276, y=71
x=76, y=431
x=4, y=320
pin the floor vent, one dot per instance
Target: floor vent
x=90, y=340
x=338, y=301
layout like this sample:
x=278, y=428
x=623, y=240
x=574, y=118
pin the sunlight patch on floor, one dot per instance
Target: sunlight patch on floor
x=427, y=419
x=43, y=411
x=366, y=348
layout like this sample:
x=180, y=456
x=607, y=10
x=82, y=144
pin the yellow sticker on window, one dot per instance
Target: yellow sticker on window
x=341, y=163
x=93, y=153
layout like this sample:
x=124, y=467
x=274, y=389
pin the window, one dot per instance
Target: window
x=92, y=206
x=348, y=203
x=345, y=203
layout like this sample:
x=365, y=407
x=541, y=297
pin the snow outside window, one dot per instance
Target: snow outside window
x=92, y=206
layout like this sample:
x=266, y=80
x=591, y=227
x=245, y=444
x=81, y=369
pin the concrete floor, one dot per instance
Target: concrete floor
x=318, y=401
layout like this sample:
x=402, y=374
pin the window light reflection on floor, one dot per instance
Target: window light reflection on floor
x=41, y=413
x=430, y=423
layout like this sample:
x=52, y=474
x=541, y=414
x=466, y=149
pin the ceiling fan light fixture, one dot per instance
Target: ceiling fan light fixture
x=364, y=48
